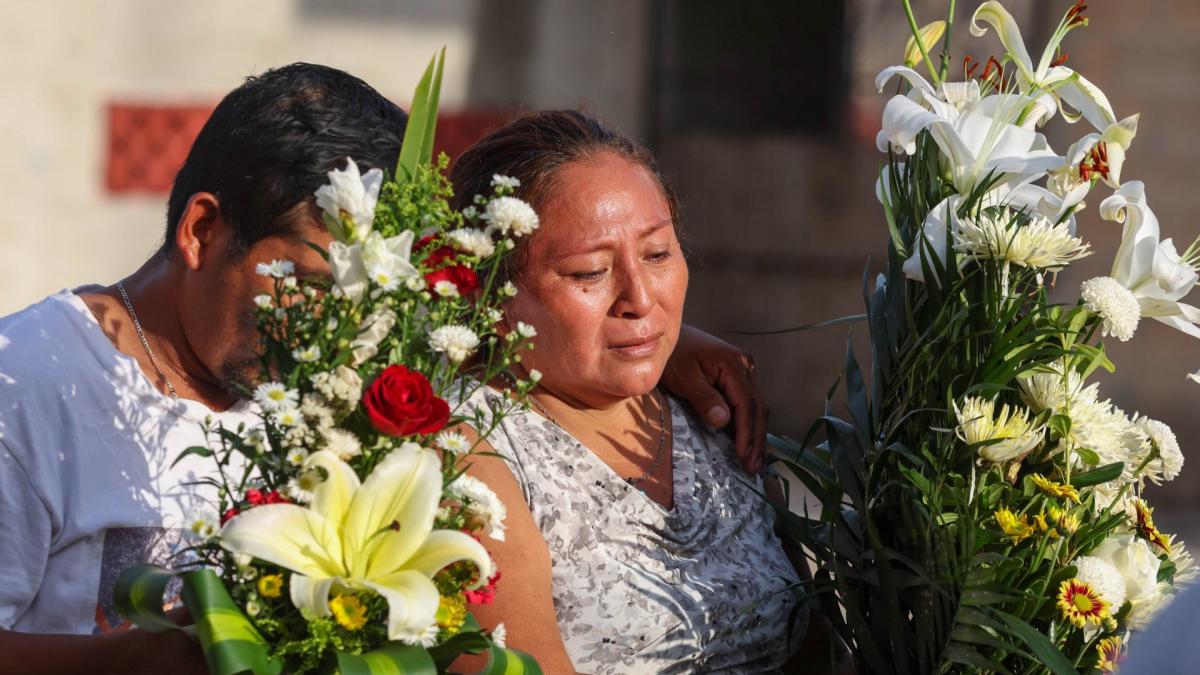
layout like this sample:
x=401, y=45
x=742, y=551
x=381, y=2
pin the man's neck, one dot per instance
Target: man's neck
x=153, y=294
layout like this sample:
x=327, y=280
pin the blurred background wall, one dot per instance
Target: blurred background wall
x=764, y=114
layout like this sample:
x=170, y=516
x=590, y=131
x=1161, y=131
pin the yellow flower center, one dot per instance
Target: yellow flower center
x=349, y=611
x=270, y=585
x=1082, y=602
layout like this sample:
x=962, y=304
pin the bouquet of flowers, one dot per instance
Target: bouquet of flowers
x=346, y=535
x=981, y=504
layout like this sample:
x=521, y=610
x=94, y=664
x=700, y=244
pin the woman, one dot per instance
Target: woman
x=658, y=554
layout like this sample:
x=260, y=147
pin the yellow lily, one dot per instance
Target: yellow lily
x=372, y=535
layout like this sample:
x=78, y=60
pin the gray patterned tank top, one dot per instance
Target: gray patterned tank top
x=701, y=588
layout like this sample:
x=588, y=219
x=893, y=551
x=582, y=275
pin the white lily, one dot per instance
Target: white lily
x=1108, y=148
x=355, y=265
x=1063, y=83
x=376, y=535
x=349, y=200
x=1150, y=271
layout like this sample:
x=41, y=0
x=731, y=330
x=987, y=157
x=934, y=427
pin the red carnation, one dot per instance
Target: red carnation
x=442, y=260
x=229, y=514
x=400, y=402
x=484, y=594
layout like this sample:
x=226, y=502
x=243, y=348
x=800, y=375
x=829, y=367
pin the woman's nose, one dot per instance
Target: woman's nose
x=635, y=296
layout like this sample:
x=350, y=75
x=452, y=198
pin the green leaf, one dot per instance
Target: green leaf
x=1039, y=644
x=1060, y=425
x=394, y=659
x=1103, y=474
x=1089, y=457
x=198, y=450
x=417, y=147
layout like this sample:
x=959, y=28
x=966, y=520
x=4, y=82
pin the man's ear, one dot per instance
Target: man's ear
x=200, y=232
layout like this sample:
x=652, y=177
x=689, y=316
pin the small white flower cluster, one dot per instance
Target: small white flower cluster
x=455, y=341
x=277, y=269
x=342, y=387
x=481, y=503
x=472, y=242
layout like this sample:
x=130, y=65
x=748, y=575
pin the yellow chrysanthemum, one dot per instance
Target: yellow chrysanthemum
x=270, y=585
x=1016, y=529
x=1146, y=527
x=451, y=613
x=1064, y=521
x=349, y=611
x=1044, y=527
x=1081, y=604
x=1053, y=489
x=1001, y=435
x=1108, y=652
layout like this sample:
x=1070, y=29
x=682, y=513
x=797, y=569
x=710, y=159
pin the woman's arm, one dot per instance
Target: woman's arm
x=523, y=602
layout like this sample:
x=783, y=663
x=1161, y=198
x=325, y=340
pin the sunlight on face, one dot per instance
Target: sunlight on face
x=603, y=283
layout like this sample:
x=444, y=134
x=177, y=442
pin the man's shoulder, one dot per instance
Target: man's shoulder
x=36, y=334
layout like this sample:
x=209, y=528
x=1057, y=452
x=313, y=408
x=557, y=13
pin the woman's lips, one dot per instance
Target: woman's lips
x=638, y=348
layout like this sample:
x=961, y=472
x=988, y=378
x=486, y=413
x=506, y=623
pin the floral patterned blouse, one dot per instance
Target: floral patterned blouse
x=701, y=588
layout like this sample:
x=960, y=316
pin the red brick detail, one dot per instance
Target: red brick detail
x=147, y=143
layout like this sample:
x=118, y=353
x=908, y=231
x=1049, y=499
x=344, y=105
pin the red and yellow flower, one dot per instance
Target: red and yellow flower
x=1081, y=604
x=1108, y=653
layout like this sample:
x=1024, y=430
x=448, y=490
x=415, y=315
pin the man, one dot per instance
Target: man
x=102, y=388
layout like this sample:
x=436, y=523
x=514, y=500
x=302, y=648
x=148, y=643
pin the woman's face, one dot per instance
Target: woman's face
x=603, y=282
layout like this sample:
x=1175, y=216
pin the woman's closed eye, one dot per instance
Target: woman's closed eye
x=588, y=275
x=659, y=256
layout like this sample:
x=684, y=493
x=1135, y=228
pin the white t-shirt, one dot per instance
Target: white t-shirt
x=86, y=482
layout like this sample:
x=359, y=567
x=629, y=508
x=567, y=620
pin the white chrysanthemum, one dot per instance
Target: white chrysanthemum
x=342, y=443
x=296, y=456
x=453, y=442
x=276, y=268
x=202, y=526
x=1051, y=391
x=1116, y=305
x=525, y=330
x=1186, y=571
x=472, y=241
x=264, y=301
x=1014, y=435
x=1103, y=577
x=445, y=289
x=456, y=342
x=418, y=637
x=288, y=417
x=274, y=396
x=483, y=504
x=500, y=635
x=1170, y=457
x=511, y=215
x=500, y=180
x=1038, y=243
x=306, y=354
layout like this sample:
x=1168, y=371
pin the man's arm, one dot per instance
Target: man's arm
x=131, y=652
x=715, y=377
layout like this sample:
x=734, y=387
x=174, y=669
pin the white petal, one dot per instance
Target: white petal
x=913, y=77
x=933, y=238
x=348, y=271
x=403, y=489
x=1081, y=95
x=333, y=496
x=903, y=120
x=444, y=547
x=993, y=13
x=310, y=594
x=287, y=535
x=412, y=600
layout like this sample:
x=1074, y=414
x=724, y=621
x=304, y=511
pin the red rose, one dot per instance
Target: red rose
x=273, y=497
x=400, y=402
x=228, y=514
x=254, y=497
x=442, y=260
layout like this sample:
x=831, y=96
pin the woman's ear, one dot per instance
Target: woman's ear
x=201, y=233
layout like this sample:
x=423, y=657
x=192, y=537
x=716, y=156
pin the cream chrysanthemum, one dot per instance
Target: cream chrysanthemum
x=1116, y=305
x=342, y=443
x=511, y=215
x=1050, y=390
x=1000, y=234
x=1103, y=577
x=1170, y=458
x=419, y=637
x=1008, y=434
x=472, y=241
x=456, y=342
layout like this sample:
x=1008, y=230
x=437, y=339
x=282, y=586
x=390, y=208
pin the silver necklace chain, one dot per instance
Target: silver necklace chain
x=137, y=325
x=662, y=433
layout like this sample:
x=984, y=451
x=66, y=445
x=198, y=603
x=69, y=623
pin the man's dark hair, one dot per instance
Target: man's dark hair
x=270, y=143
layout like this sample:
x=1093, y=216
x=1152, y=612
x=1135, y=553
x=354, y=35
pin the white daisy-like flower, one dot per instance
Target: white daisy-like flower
x=453, y=442
x=1012, y=434
x=511, y=215
x=202, y=526
x=472, y=241
x=1170, y=457
x=482, y=504
x=307, y=354
x=256, y=437
x=525, y=330
x=1104, y=577
x=264, y=301
x=999, y=234
x=445, y=289
x=500, y=635
x=296, y=456
x=288, y=417
x=419, y=637
x=455, y=341
x=300, y=489
x=1116, y=305
x=342, y=443
x=382, y=276
x=276, y=268
x=500, y=180
x=273, y=396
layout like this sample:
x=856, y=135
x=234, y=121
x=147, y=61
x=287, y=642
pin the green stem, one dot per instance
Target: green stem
x=916, y=31
x=945, y=69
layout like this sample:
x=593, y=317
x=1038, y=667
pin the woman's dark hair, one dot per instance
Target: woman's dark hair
x=533, y=148
x=270, y=143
